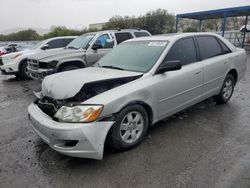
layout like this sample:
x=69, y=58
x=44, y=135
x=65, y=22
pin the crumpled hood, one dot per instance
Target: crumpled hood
x=67, y=84
x=57, y=54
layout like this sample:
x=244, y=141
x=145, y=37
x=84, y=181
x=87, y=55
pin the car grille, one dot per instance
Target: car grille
x=33, y=64
x=1, y=61
x=49, y=106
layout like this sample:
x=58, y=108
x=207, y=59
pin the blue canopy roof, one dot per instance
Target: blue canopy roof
x=219, y=13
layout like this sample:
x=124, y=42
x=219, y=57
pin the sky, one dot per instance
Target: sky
x=77, y=14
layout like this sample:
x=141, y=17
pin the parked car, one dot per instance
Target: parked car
x=2, y=50
x=84, y=51
x=12, y=47
x=246, y=29
x=139, y=83
x=16, y=63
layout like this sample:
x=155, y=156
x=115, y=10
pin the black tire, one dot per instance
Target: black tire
x=224, y=97
x=23, y=72
x=69, y=68
x=116, y=140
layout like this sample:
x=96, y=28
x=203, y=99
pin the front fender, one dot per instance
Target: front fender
x=80, y=60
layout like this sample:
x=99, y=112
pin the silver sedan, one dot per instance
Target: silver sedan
x=139, y=83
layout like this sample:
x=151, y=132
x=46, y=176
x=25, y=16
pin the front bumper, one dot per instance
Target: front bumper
x=39, y=74
x=88, y=138
x=9, y=68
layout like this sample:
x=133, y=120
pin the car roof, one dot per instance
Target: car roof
x=62, y=37
x=117, y=31
x=171, y=36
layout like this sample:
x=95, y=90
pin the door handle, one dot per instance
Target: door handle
x=198, y=72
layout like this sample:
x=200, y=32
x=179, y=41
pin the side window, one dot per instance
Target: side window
x=67, y=41
x=120, y=37
x=184, y=51
x=141, y=34
x=209, y=47
x=104, y=41
x=57, y=43
x=225, y=48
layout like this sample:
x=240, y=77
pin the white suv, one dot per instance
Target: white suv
x=16, y=63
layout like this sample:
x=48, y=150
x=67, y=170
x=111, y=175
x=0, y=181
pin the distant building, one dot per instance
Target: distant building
x=98, y=26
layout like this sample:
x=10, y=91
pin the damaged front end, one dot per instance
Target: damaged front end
x=51, y=106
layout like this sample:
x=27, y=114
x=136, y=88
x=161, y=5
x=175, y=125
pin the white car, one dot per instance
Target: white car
x=246, y=29
x=16, y=63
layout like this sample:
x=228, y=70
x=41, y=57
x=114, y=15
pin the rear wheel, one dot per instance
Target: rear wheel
x=23, y=73
x=226, y=90
x=130, y=127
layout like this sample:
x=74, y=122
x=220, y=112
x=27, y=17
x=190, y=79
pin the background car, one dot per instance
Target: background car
x=16, y=63
x=137, y=84
x=84, y=51
x=243, y=28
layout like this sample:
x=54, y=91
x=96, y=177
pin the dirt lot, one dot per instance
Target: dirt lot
x=207, y=145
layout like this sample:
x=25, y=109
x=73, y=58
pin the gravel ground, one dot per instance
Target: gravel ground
x=206, y=146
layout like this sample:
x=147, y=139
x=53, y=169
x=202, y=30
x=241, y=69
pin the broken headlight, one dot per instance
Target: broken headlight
x=79, y=113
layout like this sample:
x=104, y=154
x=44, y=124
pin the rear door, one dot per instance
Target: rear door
x=122, y=36
x=179, y=89
x=211, y=54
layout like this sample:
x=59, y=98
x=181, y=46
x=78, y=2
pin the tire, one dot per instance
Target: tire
x=23, y=73
x=126, y=133
x=226, y=91
x=69, y=67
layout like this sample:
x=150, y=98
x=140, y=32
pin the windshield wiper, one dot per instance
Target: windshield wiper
x=72, y=47
x=112, y=67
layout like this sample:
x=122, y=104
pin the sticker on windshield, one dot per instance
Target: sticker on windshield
x=160, y=44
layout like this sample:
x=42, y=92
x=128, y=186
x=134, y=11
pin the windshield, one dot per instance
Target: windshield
x=81, y=42
x=36, y=46
x=138, y=56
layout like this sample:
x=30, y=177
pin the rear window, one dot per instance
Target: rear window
x=56, y=43
x=141, y=34
x=209, y=47
x=120, y=37
x=225, y=48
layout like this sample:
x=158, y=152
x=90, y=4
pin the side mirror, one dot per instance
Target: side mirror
x=169, y=66
x=97, y=45
x=45, y=47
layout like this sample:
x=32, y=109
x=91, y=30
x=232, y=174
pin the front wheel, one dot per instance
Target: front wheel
x=23, y=73
x=226, y=90
x=130, y=127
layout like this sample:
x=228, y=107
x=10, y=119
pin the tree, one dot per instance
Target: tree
x=24, y=35
x=156, y=22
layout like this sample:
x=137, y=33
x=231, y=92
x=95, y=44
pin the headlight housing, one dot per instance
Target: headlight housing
x=79, y=113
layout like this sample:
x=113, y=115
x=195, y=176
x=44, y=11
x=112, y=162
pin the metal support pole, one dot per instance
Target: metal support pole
x=224, y=24
x=177, y=24
x=244, y=34
x=200, y=26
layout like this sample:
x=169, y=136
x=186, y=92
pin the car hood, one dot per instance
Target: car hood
x=24, y=54
x=51, y=55
x=67, y=84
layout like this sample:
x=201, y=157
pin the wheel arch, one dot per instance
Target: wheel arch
x=78, y=63
x=234, y=73
x=21, y=63
x=146, y=106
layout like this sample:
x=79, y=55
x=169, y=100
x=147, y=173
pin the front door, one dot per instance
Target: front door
x=92, y=56
x=176, y=90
